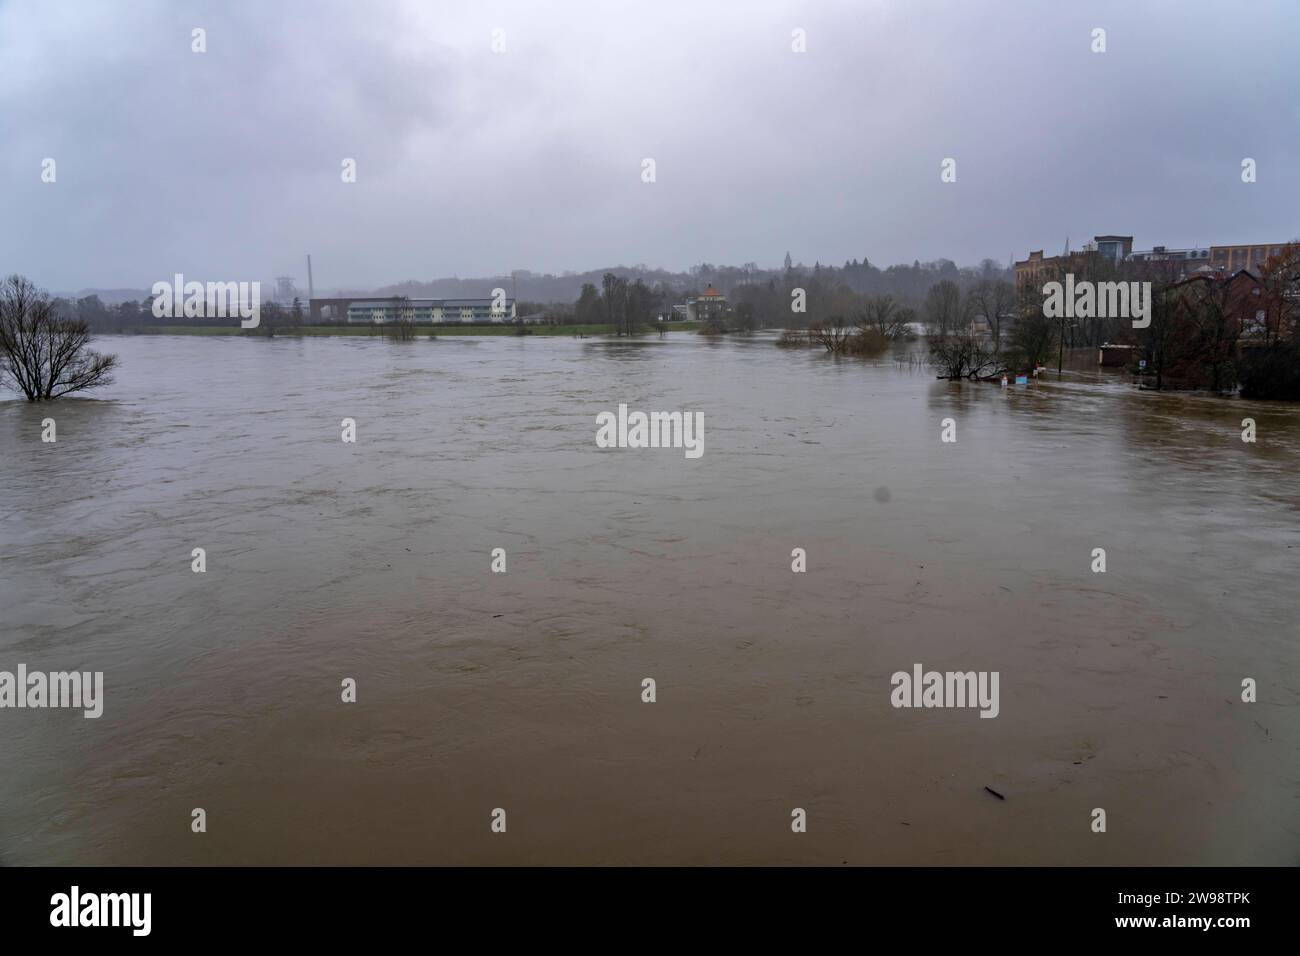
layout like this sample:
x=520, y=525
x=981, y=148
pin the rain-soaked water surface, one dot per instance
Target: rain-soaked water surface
x=522, y=690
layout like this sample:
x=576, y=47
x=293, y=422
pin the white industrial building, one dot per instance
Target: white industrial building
x=380, y=311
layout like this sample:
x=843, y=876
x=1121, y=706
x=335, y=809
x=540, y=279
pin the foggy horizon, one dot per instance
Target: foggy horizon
x=473, y=163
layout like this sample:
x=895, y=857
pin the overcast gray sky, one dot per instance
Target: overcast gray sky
x=226, y=165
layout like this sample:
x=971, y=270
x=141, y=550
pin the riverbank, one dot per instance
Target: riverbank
x=421, y=331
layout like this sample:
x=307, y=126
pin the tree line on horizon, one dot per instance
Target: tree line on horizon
x=1206, y=331
x=906, y=282
x=937, y=293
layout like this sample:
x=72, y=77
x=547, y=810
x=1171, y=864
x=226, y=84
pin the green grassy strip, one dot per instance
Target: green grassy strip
x=421, y=331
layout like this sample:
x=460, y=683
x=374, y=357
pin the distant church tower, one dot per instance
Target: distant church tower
x=788, y=263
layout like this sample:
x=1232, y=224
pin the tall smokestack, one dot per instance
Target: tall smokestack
x=311, y=288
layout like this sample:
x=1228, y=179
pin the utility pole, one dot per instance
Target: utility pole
x=1060, y=348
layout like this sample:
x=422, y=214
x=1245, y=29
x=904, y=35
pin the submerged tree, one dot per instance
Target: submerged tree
x=991, y=299
x=944, y=309
x=1033, y=339
x=840, y=338
x=42, y=354
x=964, y=356
x=883, y=315
x=834, y=334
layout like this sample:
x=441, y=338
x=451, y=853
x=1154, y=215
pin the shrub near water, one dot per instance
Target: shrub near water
x=867, y=342
x=837, y=338
x=795, y=339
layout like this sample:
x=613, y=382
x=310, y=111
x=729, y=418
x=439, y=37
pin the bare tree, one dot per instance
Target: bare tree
x=1169, y=329
x=882, y=314
x=943, y=308
x=271, y=319
x=403, y=329
x=1032, y=338
x=839, y=338
x=616, y=304
x=42, y=354
x=964, y=356
x=745, y=320
x=639, y=305
x=833, y=334
x=1279, y=289
x=990, y=299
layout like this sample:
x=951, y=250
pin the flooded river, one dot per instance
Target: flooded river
x=522, y=690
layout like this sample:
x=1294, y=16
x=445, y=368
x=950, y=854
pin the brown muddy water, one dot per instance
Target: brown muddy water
x=522, y=690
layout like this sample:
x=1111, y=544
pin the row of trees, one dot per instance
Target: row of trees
x=628, y=299
x=137, y=316
x=947, y=310
x=626, y=306
x=939, y=294
x=904, y=282
x=800, y=301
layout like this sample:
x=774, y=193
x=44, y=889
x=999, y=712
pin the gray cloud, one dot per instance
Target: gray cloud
x=226, y=164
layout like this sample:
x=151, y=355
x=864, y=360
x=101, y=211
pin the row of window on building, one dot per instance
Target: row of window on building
x=380, y=311
x=1191, y=261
